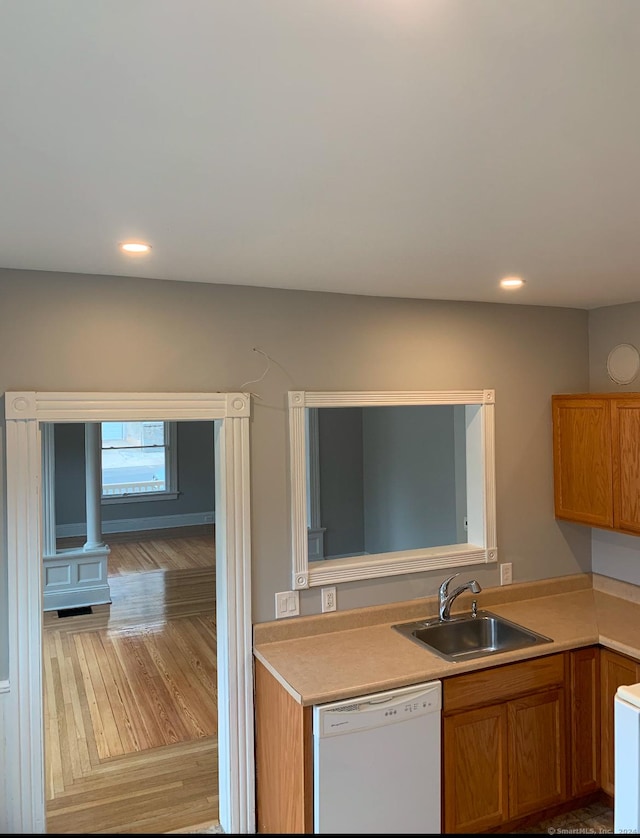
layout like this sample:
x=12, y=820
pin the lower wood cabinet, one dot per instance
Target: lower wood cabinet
x=615, y=670
x=584, y=720
x=284, y=758
x=475, y=765
x=508, y=758
x=517, y=740
x=537, y=752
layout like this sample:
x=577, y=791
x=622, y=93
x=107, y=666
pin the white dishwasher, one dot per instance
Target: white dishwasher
x=376, y=762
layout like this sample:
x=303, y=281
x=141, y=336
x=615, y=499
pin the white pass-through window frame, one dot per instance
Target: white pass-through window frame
x=481, y=546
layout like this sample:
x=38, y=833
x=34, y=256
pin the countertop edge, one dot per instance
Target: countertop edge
x=282, y=681
x=311, y=699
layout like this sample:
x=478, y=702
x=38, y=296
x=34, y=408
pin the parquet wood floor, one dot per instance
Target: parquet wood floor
x=130, y=697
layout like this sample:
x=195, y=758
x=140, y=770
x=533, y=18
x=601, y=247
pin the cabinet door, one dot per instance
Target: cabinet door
x=582, y=460
x=615, y=670
x=625, y=427
x=537, y=755
x=475, y=769
x=584, y=747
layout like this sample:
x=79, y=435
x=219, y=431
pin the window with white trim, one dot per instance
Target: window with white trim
x=138, y=461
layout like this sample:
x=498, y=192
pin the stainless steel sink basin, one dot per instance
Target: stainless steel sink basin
x=466, y=637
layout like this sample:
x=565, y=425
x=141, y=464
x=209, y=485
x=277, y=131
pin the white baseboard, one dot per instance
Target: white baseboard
x=155, y=522
x=78, y=598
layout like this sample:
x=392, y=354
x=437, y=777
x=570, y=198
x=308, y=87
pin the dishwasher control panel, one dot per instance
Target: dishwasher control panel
x=379, y=709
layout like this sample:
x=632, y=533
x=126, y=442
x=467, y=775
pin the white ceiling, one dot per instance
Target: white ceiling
x=411, y=148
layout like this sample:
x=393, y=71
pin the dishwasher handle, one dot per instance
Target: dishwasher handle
x=376, y=701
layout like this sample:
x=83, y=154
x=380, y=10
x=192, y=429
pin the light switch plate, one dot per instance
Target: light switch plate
x=287, y=604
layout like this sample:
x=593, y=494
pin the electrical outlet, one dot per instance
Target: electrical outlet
x=287, y=604
x=506, y=573
x=328, y=599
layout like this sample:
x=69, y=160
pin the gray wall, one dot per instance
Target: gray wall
x=195, y=477
x=388, y=478
x=341, y=488
x=409, y=477
x=614, y=554
x=88, y=333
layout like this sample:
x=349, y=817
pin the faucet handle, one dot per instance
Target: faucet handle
x=444, y=587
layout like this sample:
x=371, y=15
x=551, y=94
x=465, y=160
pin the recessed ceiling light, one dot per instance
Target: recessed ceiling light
x=135, y=247
x=512, y=282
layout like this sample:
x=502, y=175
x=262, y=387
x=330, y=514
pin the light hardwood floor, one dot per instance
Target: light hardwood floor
x=130, y=697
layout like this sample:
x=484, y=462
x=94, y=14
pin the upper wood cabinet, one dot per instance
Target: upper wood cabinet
x=596, y=458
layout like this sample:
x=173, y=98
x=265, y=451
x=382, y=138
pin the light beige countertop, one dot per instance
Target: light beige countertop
x=346, y=654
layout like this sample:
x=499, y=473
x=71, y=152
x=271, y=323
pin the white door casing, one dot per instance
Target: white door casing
x=24, y=413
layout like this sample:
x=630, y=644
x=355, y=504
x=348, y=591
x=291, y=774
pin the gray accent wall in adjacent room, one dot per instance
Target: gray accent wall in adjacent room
x=409, y=477
x=341, y=480
x=196, y=498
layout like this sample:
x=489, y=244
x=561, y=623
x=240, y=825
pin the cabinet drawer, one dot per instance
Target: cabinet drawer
x=502, y=683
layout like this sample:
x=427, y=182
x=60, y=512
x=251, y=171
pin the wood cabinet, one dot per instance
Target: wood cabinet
x=284, y=758
x=475, y=760
x=504, y=743
x=615, y=670
x=596, y=457
x=537, y=752
x=517, y=739
x=584, y=721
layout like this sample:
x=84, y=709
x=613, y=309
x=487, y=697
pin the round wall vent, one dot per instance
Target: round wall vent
x=623, y=363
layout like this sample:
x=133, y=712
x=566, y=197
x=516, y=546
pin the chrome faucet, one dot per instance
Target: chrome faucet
x=446, y=598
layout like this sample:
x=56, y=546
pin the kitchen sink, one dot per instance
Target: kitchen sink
x=469, y=636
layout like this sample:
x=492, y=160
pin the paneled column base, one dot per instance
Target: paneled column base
x=75, y=578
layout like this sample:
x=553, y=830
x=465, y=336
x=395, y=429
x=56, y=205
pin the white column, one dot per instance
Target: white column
x=48, y=490
x=93, y=473
x=315, y=532
x=313, y=468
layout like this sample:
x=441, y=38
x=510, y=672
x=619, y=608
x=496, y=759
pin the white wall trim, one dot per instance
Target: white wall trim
x=152, y=522
x=135, y=407
x=23, y=709
x=24, y=413
x=4, y=822
x=481, y=492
